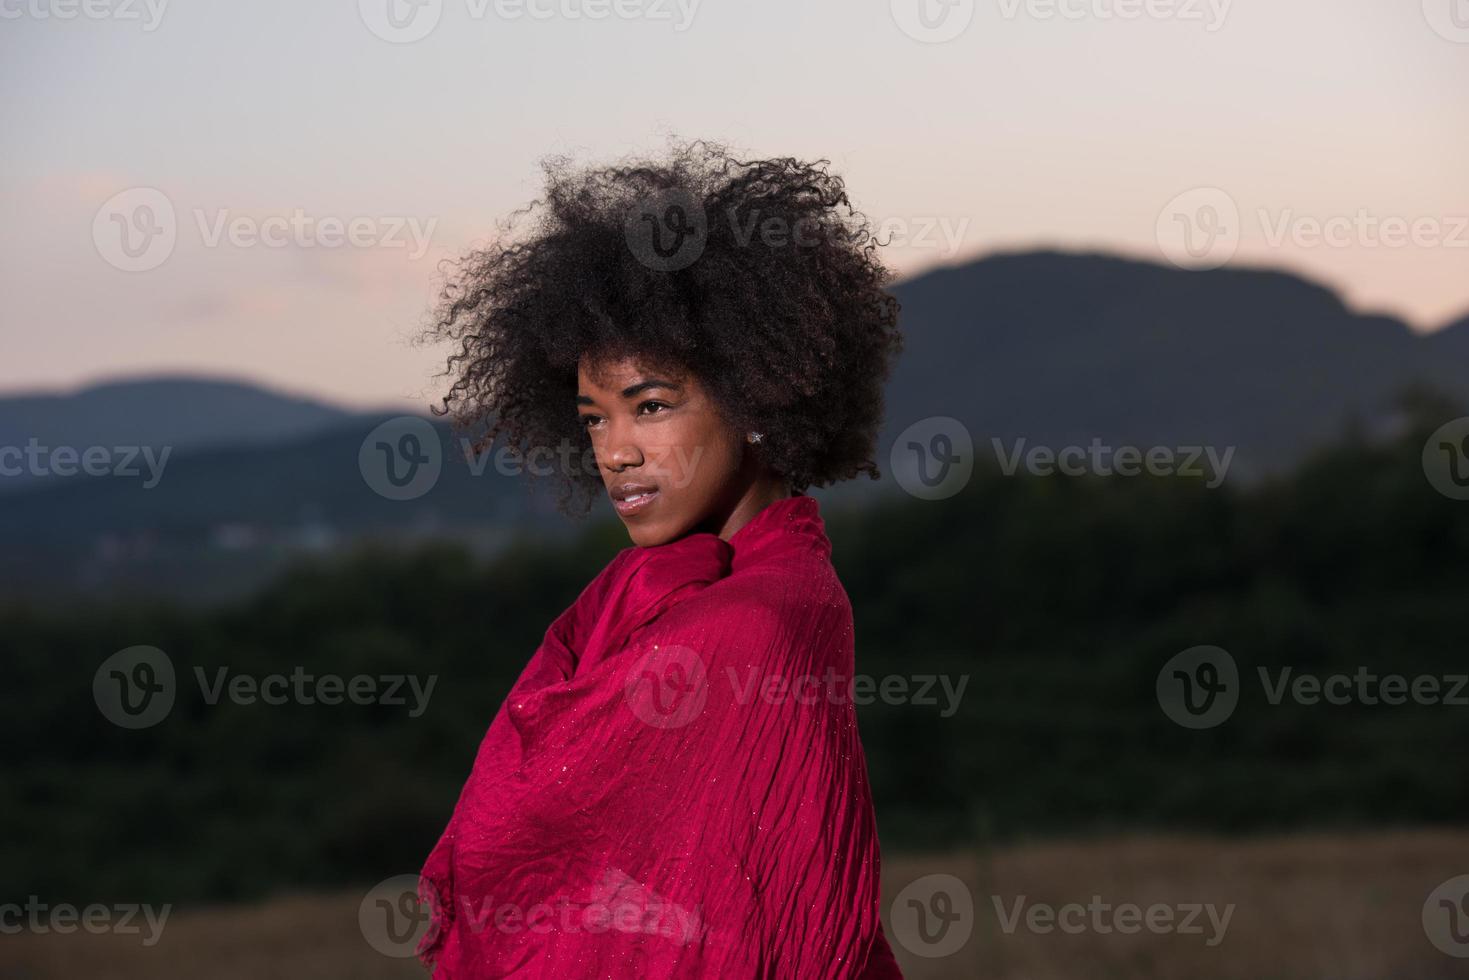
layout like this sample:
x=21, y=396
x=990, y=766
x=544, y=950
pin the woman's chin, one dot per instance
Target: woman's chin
x=646, y=535
x=648, y=530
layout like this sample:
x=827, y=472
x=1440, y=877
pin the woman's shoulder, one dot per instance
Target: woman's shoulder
x=692, y=580
x=774, y=595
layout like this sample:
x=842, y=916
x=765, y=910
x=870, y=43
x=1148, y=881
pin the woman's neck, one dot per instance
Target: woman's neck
x=755, y=497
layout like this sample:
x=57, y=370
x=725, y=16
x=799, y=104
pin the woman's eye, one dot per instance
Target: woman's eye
x=589, y=420
x=651, y=408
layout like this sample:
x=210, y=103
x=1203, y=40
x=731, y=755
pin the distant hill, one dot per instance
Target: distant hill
x=221, y=520
x=1053, y=348
x=181, y=412
x=1058, y=348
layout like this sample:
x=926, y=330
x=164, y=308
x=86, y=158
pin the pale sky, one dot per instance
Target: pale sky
x=1040, y=123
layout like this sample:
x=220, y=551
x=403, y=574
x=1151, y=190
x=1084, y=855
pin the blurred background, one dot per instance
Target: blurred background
x=1165, y=579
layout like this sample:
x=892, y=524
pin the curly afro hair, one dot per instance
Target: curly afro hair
x=756, y=276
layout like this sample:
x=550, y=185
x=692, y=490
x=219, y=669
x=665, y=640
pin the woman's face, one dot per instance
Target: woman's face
x=671, y=464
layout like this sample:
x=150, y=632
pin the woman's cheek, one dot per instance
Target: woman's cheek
x=665, y=466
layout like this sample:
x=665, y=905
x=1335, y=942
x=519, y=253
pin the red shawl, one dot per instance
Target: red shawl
x=674, y=786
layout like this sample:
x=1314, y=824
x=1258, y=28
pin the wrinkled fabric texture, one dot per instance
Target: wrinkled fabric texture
x=674, y=786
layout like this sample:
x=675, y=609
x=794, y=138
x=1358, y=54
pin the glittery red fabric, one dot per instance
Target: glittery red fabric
x=674, y=786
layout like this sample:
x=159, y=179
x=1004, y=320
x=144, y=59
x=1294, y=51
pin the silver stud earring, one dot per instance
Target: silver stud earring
x=755, y=437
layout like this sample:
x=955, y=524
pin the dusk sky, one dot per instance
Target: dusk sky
x=1335, y=130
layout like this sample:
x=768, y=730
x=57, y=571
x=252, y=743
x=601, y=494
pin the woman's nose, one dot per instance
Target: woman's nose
x=622, y=452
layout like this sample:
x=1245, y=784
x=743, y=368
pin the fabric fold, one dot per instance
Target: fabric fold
x=674, y=786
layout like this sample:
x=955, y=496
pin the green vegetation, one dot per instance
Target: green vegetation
x=1059, y=597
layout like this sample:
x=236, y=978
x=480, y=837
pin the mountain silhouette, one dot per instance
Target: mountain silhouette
x=1060, y=348
x=180, y=412
x=1034, y=349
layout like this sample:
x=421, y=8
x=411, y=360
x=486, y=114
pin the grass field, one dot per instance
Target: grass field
x=1320, y=907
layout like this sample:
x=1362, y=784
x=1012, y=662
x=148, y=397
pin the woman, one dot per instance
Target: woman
x=675, y=787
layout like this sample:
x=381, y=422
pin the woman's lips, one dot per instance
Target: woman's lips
x=635, y=503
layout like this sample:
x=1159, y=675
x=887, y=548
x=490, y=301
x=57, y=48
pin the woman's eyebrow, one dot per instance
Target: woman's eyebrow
x=631, y=390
